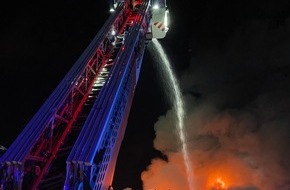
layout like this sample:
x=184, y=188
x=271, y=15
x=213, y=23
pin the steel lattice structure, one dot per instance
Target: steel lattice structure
x=82, y=123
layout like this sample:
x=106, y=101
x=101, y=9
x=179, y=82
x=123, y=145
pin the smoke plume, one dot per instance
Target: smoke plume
x=238, y=116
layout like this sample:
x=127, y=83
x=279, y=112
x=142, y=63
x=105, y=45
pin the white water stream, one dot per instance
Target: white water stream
x=178, y=107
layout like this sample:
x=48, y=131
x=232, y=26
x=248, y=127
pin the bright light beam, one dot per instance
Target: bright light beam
x=178, y=108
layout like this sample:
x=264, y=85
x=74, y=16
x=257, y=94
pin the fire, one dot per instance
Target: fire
x=219, y=184
x=221, y=178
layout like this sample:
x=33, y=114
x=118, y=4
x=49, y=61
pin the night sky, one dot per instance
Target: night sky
x=232, y=61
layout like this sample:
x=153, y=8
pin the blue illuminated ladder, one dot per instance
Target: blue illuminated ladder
x=83, y=121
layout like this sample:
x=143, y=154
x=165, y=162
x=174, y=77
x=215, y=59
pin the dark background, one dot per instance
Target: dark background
x=40, y=41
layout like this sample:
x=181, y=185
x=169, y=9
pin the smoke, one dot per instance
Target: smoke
x=238, y=117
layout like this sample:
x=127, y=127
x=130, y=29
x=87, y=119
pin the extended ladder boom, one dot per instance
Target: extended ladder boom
x=83, y=121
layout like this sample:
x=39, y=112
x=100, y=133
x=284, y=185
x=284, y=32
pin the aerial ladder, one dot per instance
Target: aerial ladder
x=73, y=140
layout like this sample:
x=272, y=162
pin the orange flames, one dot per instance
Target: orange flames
x=218, y=184
x=218, y=181
x=224, y=175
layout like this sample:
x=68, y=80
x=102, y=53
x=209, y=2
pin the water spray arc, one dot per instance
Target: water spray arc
x=178, y=105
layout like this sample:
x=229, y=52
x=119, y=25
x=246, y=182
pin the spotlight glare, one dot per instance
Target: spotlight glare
x=156, y=6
